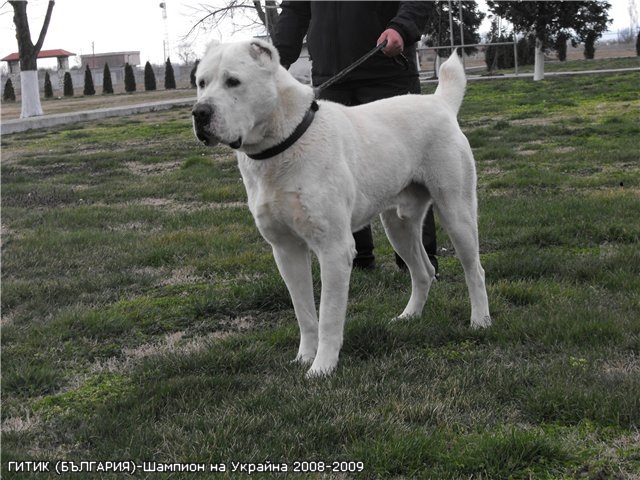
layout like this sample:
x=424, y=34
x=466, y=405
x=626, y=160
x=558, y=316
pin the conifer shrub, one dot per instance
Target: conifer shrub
x=129, y=79
x=149, y=77
x=169, y=78
x=89, y=89
x=9, y=94
x=68, y=85
x=107, y=86
x=48, y=88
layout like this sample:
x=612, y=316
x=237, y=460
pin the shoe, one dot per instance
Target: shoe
x=367, y=266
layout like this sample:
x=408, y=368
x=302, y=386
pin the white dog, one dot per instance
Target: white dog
x=314, y=177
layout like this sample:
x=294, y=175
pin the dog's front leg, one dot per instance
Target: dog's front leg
x=294, y=263
x=335, y=272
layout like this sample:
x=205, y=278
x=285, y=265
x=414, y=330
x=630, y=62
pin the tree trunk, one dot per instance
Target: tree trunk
x=30, y=94
x=268, y=16
x=28, y=56
x=538, y=69
x=590, y=46
x=540, y=28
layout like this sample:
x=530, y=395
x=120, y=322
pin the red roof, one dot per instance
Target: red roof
x=14, y=57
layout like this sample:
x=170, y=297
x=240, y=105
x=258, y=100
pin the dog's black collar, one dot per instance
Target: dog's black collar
x=287, y=142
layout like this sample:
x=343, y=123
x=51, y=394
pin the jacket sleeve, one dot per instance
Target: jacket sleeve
x=290, y=30
x=410, y=21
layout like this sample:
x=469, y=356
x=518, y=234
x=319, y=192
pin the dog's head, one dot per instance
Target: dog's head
x=236, y=92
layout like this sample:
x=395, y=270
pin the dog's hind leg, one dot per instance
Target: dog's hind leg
x=457, y=213
x=404, y=230
x=294, y=263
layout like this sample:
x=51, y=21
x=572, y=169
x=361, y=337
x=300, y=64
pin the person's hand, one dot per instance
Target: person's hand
x=395, y=43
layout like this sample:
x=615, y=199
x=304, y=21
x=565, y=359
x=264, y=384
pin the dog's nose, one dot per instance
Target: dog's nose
x=202, y=113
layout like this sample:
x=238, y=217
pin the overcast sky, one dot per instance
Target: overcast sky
x=123, y=25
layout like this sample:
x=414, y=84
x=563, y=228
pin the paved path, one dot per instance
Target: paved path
x=44, y=121
x=430, y=79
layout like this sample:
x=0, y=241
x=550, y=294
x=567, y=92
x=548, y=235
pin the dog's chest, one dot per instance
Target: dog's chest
x=278, y=203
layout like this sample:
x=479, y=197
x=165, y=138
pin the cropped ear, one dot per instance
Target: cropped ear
x=264, y=53
x=210, y=46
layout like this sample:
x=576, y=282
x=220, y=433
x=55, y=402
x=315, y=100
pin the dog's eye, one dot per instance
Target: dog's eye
x=232, y=82
x=202, y=84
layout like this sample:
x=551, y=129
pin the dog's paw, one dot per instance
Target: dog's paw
x=321, y=369
x=483, y=322
x=403, y=317
x=304, y=359
x=315, y=373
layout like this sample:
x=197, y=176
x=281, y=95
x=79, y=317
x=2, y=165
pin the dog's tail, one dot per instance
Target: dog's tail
x=452, y=81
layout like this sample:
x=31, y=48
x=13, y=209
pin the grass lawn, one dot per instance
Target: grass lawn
x=143, y=317
x=582, y=64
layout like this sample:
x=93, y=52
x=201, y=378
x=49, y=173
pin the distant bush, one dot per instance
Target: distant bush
x=502, y=56
x=560, y=45
x=129, y=79
x=9, y=93
x=107, y=86
x=169, y=78
x=68, y=85
x=590, y=46
x=89, y=89
x=149, y=77
x=48, y=88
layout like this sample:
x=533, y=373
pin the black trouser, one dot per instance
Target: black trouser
x=365, y=92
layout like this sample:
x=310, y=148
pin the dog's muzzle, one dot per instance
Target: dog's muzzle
x=202, y=114
x=202, y=117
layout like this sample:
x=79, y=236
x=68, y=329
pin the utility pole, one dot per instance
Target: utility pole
x=165, y=43
x=461, y=31
x=451, y=26
x=633, y=17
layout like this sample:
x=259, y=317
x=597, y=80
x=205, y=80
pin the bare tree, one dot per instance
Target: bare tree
x=268, y=16
x=28, y=52
x=238, y=14
x=186, y=54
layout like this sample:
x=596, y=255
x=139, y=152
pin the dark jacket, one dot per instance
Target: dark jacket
x=338, y=33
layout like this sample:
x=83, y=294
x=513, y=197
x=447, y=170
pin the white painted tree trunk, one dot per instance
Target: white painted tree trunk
x=30, y=94
x=538, y=68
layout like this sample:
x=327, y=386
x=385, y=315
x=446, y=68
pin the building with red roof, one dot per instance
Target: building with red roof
x=13, y=60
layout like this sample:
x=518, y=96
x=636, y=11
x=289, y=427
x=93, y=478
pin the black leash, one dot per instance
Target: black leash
x=400, y=59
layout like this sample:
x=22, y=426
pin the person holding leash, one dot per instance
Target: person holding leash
x=339, y=33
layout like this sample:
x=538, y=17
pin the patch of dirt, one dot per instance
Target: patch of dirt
x=52, y=198
x=176, y=206
x=491, y=171
x=534, y=121
x=181, y=276
x=19, y=424
x=146, y=169
x=131, y=226
x=622, y=367
x=171, y=343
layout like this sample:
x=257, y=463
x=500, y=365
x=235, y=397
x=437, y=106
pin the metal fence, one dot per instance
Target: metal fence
x=478, y=56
